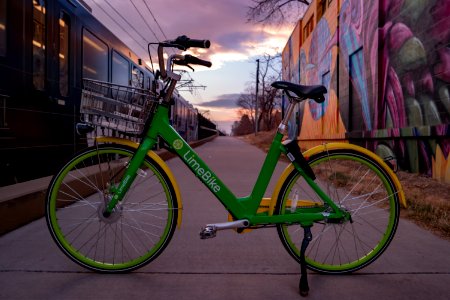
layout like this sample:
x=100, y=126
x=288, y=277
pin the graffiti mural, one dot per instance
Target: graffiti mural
x=414, y=62
x=318, y=57
x=386, y=65
x=316, y=66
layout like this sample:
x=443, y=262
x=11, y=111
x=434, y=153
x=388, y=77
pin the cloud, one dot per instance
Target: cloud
x=223, y=22
x=222, y=110
x=233, y=40
x=223, y=101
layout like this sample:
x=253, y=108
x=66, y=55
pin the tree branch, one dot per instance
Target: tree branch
x=273, y=11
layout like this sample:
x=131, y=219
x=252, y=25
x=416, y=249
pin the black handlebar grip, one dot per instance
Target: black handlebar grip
x=187, y=42
x=189, y=59
x=199, y=43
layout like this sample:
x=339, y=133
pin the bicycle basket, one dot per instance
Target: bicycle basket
x=111, y=106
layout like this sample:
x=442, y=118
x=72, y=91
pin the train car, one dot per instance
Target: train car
x=47, y=47
x=184, y=118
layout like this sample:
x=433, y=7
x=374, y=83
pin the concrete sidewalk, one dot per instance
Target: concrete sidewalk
x=231, y=266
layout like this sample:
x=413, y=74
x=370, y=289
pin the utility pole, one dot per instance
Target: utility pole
x=256, y=96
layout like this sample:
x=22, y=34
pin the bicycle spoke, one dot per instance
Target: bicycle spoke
x=135, y=231
x=357, y=188
x=80, y=198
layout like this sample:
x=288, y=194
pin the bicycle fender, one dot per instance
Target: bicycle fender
x=158, y=160
x=336, y=146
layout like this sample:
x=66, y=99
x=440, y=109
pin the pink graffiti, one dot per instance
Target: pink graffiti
x=396, y=35
x=426, y=82
x=395, y=99
x=391, y=7
x=408, y=83
x=442, y=69
x=399, y=34
x=440, y=12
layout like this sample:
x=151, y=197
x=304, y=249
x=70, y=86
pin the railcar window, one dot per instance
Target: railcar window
x=39, y=24
x=2, y=27
x=137, y=78
x=120, y=69
x=147, y=80
x=64, y=30
x=147, y=83
x=95, y=57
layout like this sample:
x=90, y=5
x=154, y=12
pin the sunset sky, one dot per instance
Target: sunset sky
x=235, y=44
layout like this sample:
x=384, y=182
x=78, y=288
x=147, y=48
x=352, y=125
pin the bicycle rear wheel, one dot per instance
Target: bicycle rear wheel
x=138, y=229
x=361, y=186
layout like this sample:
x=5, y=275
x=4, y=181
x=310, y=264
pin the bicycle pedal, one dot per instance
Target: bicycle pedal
x=208, y=232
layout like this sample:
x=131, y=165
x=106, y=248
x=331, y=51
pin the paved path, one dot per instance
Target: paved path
x=231, y=266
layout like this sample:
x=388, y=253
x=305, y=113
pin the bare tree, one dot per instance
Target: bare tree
x=244, y=126
x=246, y=103
x=270, y=71
x=276, y=11
x=268, y=97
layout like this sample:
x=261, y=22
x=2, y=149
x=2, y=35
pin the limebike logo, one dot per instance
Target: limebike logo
x=205, y=175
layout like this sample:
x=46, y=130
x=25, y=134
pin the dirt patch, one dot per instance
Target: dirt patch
x=262, y=139
x=428, y=200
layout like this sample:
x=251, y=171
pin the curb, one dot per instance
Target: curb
x=24, y=202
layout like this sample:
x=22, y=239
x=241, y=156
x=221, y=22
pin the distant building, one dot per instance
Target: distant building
x=386, y=65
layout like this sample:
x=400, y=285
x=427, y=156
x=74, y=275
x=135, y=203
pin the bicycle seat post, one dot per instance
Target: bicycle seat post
x=282, y=128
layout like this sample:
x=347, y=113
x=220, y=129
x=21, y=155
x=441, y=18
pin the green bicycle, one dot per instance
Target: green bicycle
x=115, y=205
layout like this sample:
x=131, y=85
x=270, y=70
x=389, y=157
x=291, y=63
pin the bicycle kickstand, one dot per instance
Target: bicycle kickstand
x=303, y=284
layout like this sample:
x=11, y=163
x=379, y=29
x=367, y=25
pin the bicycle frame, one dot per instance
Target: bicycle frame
x=244, y=208
x=239, y=208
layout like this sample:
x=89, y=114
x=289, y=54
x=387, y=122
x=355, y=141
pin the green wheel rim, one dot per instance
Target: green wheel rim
x=371, y=255
x=82, y=258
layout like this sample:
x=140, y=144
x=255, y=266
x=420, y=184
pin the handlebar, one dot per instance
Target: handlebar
x=186, y=42
x=189, y=59
x=182, y=43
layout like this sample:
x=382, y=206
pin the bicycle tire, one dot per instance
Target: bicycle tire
x=140, y=226
x=362, y=187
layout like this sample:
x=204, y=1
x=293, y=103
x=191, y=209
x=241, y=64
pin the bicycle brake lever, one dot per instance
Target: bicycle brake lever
x=183, y=63
x=193, y=70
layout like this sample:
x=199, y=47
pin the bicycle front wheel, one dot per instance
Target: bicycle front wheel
x=357, y=184
x=138, y=229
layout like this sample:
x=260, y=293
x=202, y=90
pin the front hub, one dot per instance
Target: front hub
x=111, y=217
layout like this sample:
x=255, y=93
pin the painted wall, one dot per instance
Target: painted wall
x=415, y=66
x=318, y=65
x=387, y=69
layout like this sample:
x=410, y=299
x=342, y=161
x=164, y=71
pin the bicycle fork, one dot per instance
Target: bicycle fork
x=129, y=176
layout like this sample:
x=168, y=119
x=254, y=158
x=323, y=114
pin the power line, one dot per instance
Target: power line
x=125, y=20
x=118, y=24
x=134, y=28
x=188, y=82
x=157, y=23
x=145, y=21
x=148, y=25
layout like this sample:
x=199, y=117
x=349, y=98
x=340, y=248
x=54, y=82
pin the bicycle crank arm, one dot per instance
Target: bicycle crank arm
x=210, y=230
